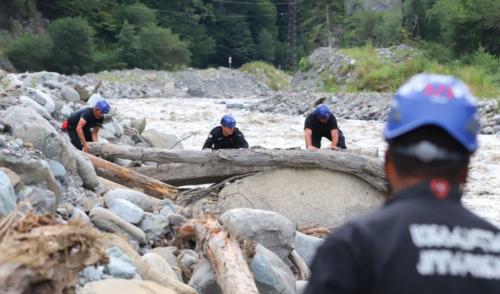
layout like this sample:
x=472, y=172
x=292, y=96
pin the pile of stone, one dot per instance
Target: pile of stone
x=361, y=106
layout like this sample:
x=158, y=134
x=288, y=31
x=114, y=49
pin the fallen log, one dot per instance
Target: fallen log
x=131, y=179
x=183, y=174
x=366, y=168
x=223, y=252
x=300, y=264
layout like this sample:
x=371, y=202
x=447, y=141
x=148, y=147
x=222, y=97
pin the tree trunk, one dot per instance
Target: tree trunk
x=366, y=168
x=131, y=179
x=182, y=174
x=223, y=252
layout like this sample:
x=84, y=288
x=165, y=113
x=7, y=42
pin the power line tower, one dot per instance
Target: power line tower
x=291, y=54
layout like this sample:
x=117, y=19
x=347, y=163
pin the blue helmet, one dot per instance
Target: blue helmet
x=228, y=121
x=103, y=106
x=323, y=112
x=429, y=99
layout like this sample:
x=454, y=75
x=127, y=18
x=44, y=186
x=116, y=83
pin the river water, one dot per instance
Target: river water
x=195, y=117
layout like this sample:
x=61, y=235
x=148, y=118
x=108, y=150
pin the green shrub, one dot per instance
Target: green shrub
x=30, y=53
x=304, y=64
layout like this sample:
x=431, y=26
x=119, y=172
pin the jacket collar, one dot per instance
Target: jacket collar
x=436, y=189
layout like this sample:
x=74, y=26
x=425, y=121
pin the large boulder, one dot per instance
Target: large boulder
x=158, y=139
x=268, y=228
x=29, y=126
x=306, y=246
x=32, y=172
x=324, y=197
x=41, y=199
x=125, y=286
x=8, y=198
x=160, y=264
x=43, y=99
x=32, y=103
x=128, y=211
x=15, y=180
x=70, y=94
x=36, y=79
x=154, y=226
x=94, y=99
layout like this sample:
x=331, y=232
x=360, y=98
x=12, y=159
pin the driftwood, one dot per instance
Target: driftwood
x=224, y=253
x=183, y=174
x=366, y=168
x=131, y=179
x=300, y=264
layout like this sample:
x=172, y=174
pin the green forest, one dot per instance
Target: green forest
x=96, y=35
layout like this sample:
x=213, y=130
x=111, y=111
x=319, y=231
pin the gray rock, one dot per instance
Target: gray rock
x=31, y=103
x=301, y=286
x=334, y=99
x=176, y=220
x=306, y=246
x=203, y=279
x=137, y=198
x=77, y=212
x=234, y=106
x=53, y=84
x=139, y=125
x=43, y=99
x=120, y=266
x=160, y=264
x=196, y=92
x=158, y=139
x=188, y=260
x=272, y=275
x=128, y=211
x=36, y=79
x=169, y=88
x=488, y=130
x=129, y=141
x=166, y=202
x=166, y=254
x=94, y=99
x=103, y=133
x=41, y=199
x=70, y=94
x=8, y=198
x=141, y=145
x=66, y=110
x=122, y=162
x=14, y=178
x=28, y=124
x=309, y=195
x=110, y=222
x=154, y=226
x=92, y=273
x=57, y=168
x=85, y=170
x=268, y=228
x=166, y=211
x=496, y=118
x=110, y=127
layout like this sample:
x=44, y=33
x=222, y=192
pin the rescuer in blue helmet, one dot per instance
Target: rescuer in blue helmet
x=423, y=240
x=226, y=136
x=322, y=123
x=83, y=125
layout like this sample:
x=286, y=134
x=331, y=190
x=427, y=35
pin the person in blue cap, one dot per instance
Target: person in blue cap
x=423, y=240
x=226, y=136
x=80, y=124
x=322, y=123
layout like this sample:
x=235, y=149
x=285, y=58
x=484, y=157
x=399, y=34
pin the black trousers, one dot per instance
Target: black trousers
x=75, y=140
x=316, y=139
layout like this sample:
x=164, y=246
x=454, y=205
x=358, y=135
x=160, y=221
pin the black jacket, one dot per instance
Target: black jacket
x=422, y=241
x=217, y=141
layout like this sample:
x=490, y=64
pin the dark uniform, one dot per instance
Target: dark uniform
x=217, y=141
x=423, y=241
x=88, y=115
x=320, y=130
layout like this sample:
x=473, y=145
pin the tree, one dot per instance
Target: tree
x=30, y=53
x=139, y=15
x=74, y=40
x=129, y=46
x=233, y=38
x=161, y=49
x=266, y=47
